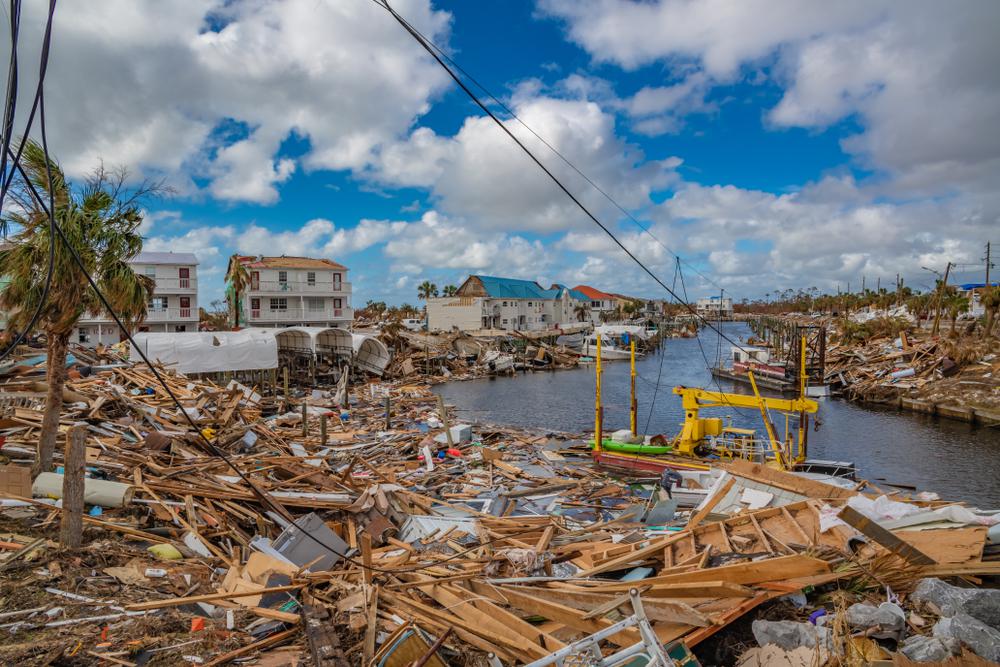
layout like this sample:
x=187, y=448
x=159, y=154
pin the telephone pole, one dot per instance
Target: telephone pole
x=987, y=263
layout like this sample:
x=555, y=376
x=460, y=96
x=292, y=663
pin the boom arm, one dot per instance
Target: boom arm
x=693, y=398
x=695, y=429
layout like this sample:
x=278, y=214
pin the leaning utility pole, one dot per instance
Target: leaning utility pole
x=987, y=263
x=940, y=300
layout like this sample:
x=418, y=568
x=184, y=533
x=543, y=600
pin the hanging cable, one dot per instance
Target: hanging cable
x=552, y=148
x=427, y=47
x=264, y=498
x=39, y=103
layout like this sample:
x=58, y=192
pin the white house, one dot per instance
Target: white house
x=715, y=307
x=295, y=291
x=173, y=305
x=487, y=302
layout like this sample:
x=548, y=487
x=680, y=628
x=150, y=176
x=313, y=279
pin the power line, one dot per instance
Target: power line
x=406, y=26
x=9, y=112
x=552, y=148
x=213, y=449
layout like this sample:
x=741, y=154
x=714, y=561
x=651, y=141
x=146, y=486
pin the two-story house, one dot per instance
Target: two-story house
x=599, y=302
x=172, y=307
x=488, y=302
x=295, y=291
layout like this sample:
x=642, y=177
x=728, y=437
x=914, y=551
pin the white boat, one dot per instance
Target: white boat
x=497, y=361
x=612, y=347
x=639, y=331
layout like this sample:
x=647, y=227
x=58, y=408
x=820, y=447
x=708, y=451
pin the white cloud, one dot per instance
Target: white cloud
x=144, y=83
x=482, y=177
x=920, y=76
x=435, y=242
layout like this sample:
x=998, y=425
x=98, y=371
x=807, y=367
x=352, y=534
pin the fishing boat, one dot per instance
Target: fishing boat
x=703, y=441
x=613, y=347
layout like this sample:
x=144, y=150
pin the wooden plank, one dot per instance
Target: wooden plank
x=755, y=572
x=903, y=549
x=793, y=522
x=785, y=480
x=554, y=612
x=710, y=505
x=250, y=648
x=622, y=562
x=174, y=602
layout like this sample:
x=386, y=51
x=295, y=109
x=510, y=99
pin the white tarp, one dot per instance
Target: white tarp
x=209, y=351
x=370, y=355
x=321, y=340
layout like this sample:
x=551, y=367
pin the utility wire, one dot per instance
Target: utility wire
x=427, y=47
x=39, y=103
x=213, y=449
x=552, y=148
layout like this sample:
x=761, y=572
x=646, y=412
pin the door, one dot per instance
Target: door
x=255, y=308
x=185, y=306
x=184, y=277
x=255, y=280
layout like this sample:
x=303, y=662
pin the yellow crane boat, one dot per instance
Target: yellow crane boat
x=703, y=440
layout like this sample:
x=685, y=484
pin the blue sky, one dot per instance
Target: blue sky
x=770, y=144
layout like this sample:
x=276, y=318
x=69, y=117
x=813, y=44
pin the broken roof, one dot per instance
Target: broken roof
x=291, y=262
x=592, y=293
x=165, y=258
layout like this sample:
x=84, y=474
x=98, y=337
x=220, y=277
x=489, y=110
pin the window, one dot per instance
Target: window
x=595, y=304
x=529, y=304
x=84, y=336
x=311, y=278
x=279, y=304
x=180, y=328
x=504, y=304
x=315, y=304
x=283, y=278
x=336, y=281
x=149, y=271
x=505, y=322
x=338, y=303
x=158, y=304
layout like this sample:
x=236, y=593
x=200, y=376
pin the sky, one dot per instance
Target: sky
x=769, y=144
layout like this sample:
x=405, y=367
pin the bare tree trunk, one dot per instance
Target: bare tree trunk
x=56, y=370
x=74, y=461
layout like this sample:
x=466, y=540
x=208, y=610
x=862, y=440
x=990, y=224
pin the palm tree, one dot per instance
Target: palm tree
x=426, y=290
x=990, y=298
x=449, y=290
x=582, y=312
x=101, y=222
x=956, y=305
x=238, y=278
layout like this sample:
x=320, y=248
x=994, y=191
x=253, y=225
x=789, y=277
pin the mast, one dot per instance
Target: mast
x=633, y=404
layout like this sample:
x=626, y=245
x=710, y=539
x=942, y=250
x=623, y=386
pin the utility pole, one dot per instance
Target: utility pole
x=987, y=263
x=862, y=284
x=940, y=300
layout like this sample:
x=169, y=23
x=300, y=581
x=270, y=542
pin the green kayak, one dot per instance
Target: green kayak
x=610, y=445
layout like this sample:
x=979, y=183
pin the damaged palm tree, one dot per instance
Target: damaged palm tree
x=101, y=222
x=239, y=279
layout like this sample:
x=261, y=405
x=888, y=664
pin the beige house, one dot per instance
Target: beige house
x=295, y=291
x=488, y=302
x=173, y=306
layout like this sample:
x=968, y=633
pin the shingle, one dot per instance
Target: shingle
x=146, y=257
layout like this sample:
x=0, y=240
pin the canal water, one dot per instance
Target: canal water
x=957, y=460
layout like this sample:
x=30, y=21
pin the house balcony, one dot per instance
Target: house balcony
x=318, y=288
x=171, y=314
x=175, y=285
x=266, y=316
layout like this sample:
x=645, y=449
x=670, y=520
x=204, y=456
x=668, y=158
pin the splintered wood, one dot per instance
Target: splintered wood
x=340, y=539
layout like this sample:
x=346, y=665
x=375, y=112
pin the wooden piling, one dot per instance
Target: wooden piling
x=74, y=463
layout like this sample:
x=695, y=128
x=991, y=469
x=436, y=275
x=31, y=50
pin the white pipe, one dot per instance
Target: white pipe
x=95, y=491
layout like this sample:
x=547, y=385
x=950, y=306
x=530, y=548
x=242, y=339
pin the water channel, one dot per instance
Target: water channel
x=955, y=459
